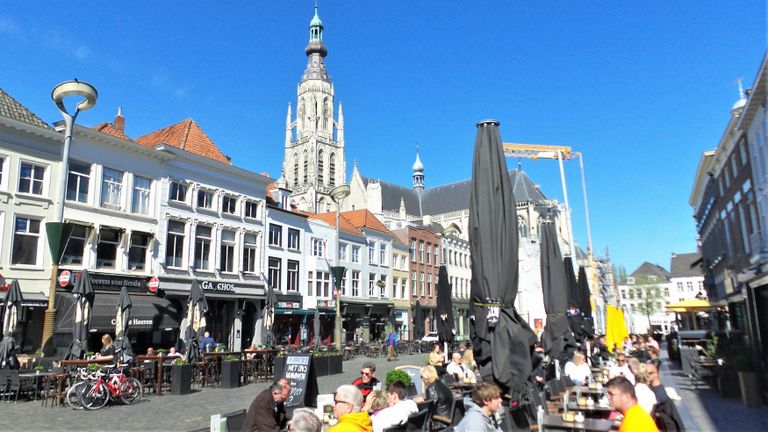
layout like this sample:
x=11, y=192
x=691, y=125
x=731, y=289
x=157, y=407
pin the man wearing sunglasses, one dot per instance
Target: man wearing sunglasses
x=347, y=404
x=367, y=380
x=621, y=395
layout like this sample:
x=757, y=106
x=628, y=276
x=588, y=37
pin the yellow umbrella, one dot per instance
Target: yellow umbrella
x=690, y=305
x=622, y=326
x=610, y=328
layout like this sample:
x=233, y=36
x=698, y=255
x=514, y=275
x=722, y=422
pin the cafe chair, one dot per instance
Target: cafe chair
x=235, y=420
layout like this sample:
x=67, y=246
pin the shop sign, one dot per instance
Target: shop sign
x=136, y=323
x=288, y=305
x=219, y=287
x=116, y=282
x=153, y=284
x=328, y=304
x=3, y=286
x=64, y=277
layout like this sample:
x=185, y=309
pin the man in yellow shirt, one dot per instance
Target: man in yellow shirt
x=621, y=394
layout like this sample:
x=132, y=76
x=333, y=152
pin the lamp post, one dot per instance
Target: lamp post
x=56, y=230
x=338, y=194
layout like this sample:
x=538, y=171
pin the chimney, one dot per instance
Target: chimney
x=120, y=120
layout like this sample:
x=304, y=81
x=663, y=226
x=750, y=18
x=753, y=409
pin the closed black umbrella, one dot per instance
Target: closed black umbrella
x=418, y=321
x=445, y=329
x=557, y=339
x=83, y=293
x=11, y=309
x=197, y=307
x=585, y=305
x=268, y=318
x=122, y=318
x=574, y=298
x=502, y=341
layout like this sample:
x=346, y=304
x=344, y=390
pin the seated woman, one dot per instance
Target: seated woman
x=436, y=390
x=577, y=369
x=107, y=351
x=646, y=398
x=436, y=358
x=376, y=401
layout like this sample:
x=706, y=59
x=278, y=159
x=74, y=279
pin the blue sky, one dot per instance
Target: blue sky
x=640, y=87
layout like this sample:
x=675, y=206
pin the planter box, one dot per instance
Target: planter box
x=230, y=374
x=327, y=365
x=181, y=379
x=750, y=389
x=728, y=382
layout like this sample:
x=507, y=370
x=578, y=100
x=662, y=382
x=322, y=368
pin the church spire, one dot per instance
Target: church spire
x=316, y=51
x=418, y=178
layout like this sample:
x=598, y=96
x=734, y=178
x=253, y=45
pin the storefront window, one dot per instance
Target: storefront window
x=111, y=189
x=227, y=259
x=274, y=273
x=141, y=192
x=26, y=240
x=31, y=178
x=355, y=284
x=137, y=253
x=293, y=275
x=77, y=181
x=203, y=248
x=106, y=248
x=293, y=239
x=250, y=247
x=73, y=254
x=174, y=249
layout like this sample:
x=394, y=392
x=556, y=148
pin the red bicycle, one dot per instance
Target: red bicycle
x=98, y=391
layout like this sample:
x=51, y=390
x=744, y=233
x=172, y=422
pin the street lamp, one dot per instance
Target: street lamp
x=57, y=232
x=338, y=194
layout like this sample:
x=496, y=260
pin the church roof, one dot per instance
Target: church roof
x=450, y=197
x=12, y=109
x=186, y=135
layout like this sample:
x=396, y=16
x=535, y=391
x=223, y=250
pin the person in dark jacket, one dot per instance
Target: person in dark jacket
x=436, y=390
x=267, y=411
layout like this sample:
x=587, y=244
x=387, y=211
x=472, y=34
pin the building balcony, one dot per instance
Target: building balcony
x=758, y=243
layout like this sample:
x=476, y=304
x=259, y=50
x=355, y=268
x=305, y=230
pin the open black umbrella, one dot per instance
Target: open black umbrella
x=502, y=340
x=557, y=339
x=418, y=321
x=83, y=293
x=573, y=313
x=445, y=330
x=197, y=307
x=585, y=305
x=122, y=318
x=11, y=308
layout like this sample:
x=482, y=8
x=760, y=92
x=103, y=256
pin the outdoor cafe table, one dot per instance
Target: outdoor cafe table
x=596, y=410
x=36, y=377
x=260, y=357
x=557, y=422
x=86, y=362
x=584, y=390
x=158, y=360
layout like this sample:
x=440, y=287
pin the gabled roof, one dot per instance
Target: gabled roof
x=365, y=219
x=680, y=265
x=185, y=135
x=12, y=109
x=110, y=129
x=648, y=269
x=450, y=197
x=330, y=219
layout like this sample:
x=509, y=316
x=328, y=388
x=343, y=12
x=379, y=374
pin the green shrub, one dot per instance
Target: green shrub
x=231, y=357
x=398, y=375
x=93, y=367
x=39, y=368
x=181, y=361
x=89, y=354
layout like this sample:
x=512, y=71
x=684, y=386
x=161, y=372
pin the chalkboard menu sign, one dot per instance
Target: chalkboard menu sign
x=298, y=370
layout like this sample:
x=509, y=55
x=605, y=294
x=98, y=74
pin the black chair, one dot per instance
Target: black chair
x=566, y=380
x=3, y=383
x=235, y=420
x=418, y=422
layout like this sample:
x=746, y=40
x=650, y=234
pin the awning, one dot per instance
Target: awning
x=294, y=312
x=690, y=305
x=147, y=313
x=32, y=300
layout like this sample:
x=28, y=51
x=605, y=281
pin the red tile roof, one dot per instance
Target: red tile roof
x=185, y=135
x=110, y=129
x=330, y=219
x=365, y=219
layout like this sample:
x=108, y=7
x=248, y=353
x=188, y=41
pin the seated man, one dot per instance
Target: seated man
x=481, y=407
x=456, y=368
x=367, y=380
x=347, y=405
x=173, y=353
x=267, y=411
x=621, y=395
x=399, y=408
x=621, y=369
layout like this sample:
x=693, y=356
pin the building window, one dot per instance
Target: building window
x=293, y=275
x=320, y=168
x=111, y=189
x=623, y=294
x=227, y=258
x=689, y=286
x=73, y=253
x=421, y=284
x=436, y=250
x=106, y=248
x=178, y=192
x=372, y=253
x=355, y=284
x=355, y=254
x=429, y=285
x=204, y=199
x=250, y=248
x=332, y=170
x=318, y=247
x=383, y=287
x=274, y=273
x=310, y=282
x=2, y=171
x=305, y=172
x=429, y=253
x=413, y=250
x=275, y=235
x=342, y=251
x=252, y=209
x=293, y=239
x=229, y=204
x=666, y=292
x=31, y=178
x=371, y=283
x=403, y=287
x=421, y=252
x=323, y=284
x=174, y=249
x=26, y=240
x=137, y=251
x=680, y=286
x=203, y=240
x=77, y=181
x=295, y=170
x=413, y=284
x=141, y=191
x=383, y=254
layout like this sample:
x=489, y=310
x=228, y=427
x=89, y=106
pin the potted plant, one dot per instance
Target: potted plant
x=181, y=377
x=38, y=369
x=230, y=371
x=161, y=351
x=88, y=354
x=750, y=387
x=403, y=377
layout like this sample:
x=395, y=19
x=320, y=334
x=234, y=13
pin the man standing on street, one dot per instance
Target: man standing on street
x=347, y=405
x=621, y=395
x=392, y=346
x=267, y=411
x=367, y=380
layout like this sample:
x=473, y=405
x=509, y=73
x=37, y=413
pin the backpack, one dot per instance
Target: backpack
x=666, y=417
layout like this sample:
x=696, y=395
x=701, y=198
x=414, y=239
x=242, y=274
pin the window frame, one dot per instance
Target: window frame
x=78, y=175
x=182, y=235
x=228, y=252
x=205, y=194
x=292, y=275
x=273, y=272
x=147, y=195
x=248, y=248
x=146, y=248
x=293, y=239
x=229, y=204
x=100, y=240
x=275, y=235
x=201, y=249
x=173, y=191
x=104, y=186
x=27, y=233
x=32, y=179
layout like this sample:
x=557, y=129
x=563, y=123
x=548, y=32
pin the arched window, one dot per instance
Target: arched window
x=332, y=170
x=522, y=228
x=295, y=170
x=320, y=168
x=306, y=168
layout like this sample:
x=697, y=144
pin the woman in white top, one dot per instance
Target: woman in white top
x=577, y=369
x=645, y=396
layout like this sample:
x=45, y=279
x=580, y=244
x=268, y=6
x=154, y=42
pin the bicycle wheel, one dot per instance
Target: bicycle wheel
x=94, y=396
x=130, y=391
x=73, y=395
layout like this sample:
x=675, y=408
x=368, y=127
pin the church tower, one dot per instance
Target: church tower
x=314, y=142
x=418, y=179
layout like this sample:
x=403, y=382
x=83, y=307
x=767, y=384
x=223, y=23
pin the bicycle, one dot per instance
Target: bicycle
x=95, y=394
x=73, y=392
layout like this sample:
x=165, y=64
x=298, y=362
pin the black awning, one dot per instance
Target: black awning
x=147, y=313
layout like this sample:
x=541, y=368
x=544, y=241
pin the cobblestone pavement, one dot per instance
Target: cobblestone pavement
x=169, y=412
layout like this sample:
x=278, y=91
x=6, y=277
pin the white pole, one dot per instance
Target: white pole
x=586, y=205
x=567, y=207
